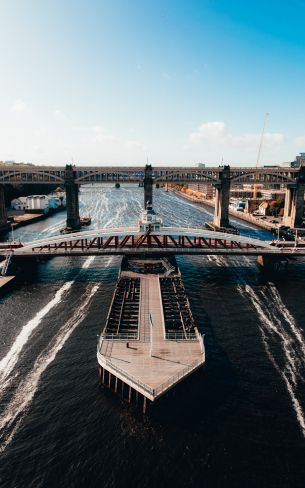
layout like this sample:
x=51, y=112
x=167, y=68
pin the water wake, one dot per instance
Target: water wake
x=9, y=361
x=16, y=410
x=277, y=327
x=274, y=318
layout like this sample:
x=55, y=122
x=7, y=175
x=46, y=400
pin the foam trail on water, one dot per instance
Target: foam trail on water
x=268, y=322
x=288, y=317
x=16, y=410
x=9, y=361
x=295, y=402
x=270, y=325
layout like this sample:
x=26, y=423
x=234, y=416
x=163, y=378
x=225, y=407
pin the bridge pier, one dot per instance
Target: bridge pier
x=3, y=213
x=272, y=263
x=73, y=219
x=222, y=199
x=294, y=203
x=148, y=185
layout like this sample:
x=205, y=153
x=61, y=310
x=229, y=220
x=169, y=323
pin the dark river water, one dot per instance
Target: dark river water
x=239, y=422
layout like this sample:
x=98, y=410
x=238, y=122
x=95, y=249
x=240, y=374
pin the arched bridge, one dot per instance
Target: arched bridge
x=129, y=241
x=222, y=178
x=162, y=174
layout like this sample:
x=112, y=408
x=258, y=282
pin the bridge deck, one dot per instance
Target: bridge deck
x=151, y=364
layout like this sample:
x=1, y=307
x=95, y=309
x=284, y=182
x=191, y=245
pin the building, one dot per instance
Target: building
x=19, y=203
x=39, y=203
x=207, y=189
x=299, y=161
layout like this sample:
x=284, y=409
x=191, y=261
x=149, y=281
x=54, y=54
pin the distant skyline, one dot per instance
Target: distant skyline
x=175, y=81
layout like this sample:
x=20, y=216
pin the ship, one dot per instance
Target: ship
x=150, y=341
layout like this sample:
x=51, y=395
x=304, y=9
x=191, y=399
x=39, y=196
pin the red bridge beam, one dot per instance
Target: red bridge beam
x=147, y=241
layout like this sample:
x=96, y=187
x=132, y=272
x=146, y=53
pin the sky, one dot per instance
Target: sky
x=176, y=82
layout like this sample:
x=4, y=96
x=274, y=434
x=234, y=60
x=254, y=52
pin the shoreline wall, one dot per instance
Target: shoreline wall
x=240, y=215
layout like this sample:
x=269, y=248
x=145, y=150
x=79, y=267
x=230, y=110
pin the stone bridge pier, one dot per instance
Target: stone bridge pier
x=3, y=213
x=222, y=199
x=294, y=202
x=73, y=219
x=148, y=185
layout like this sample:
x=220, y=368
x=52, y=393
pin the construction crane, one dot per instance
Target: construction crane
x=255, y=186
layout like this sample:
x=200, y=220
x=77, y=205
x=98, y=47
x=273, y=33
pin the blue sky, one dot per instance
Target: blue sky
x=177, y=82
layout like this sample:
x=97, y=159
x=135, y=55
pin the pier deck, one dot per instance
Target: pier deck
x=5, y=280
x=151, y=364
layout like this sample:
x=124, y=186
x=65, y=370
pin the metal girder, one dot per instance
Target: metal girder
x=82, y=175
x=145, y=242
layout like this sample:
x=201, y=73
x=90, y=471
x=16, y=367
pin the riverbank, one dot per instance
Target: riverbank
x=240, y=215
x=22, y=219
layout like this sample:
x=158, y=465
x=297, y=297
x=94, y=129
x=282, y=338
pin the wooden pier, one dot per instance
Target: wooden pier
x=5, y=281
x=163, y=348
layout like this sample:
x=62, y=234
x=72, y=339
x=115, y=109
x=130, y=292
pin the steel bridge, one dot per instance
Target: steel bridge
x=129, y=241
x=222, y=178
x=164, y=174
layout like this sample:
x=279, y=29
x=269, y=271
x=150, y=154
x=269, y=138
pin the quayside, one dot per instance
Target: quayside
x=150, y=341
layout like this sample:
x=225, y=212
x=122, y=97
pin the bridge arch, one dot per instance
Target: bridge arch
x=112, y=175
x=187, y=177
x=270, y=177
x=20, y=176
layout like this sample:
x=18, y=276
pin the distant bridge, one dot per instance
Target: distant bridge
x=129, y=241
x=135, y=174
x=222, y=178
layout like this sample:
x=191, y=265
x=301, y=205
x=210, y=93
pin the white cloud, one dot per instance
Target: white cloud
x=18, y=106
x=208, y=132
x=216, y=133
x=100, y=135
x=299, y=141
x=59, y=115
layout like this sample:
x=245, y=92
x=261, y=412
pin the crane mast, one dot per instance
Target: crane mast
x=255, y=186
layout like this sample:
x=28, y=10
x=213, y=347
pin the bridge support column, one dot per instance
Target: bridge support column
x=73, y=220
x=294, y=203
x=222, y=199
x=272, y=263
x=3, y=213
x=148, y=185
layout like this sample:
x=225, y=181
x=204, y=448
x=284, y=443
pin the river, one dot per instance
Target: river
x=239, y=422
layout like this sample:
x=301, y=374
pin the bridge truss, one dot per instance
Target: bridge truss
x=103, y=174
x=171, y=240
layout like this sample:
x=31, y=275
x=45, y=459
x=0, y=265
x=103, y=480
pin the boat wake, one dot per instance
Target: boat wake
x=278, y=326
x=281, y=336
x=16, y=410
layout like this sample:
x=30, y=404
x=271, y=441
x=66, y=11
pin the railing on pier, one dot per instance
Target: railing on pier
x=177, y=377
x=153, y=392
x=124, y=336
x=128, y=377
x=6, y=264
x=181, y=336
